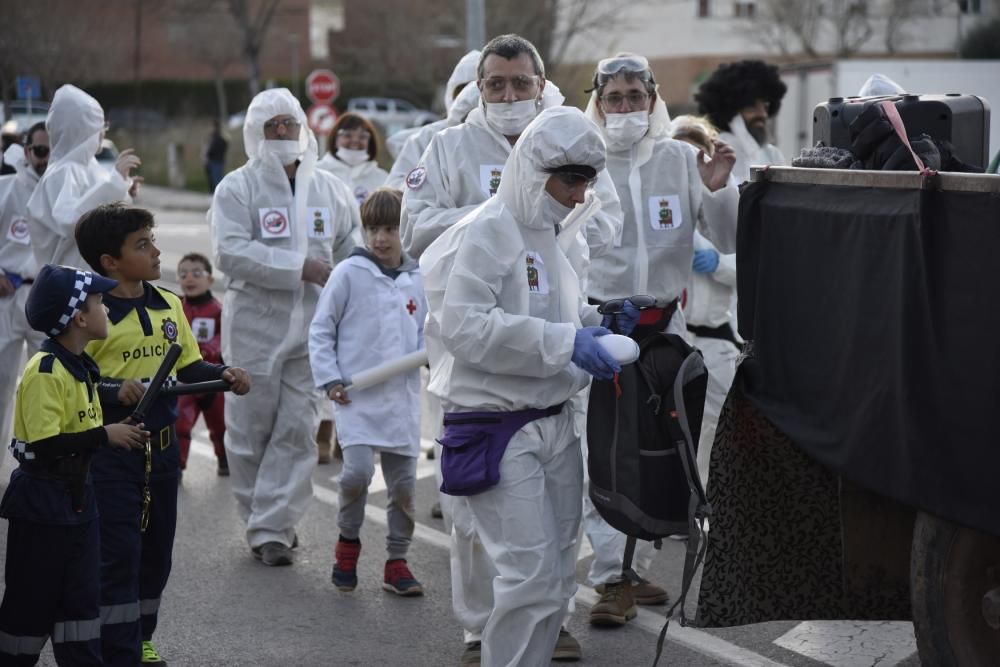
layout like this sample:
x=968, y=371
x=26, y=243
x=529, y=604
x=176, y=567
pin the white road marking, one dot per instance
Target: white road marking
x=696, y=640
x=852, y=643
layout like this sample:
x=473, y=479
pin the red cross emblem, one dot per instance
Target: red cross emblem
x=411, y=306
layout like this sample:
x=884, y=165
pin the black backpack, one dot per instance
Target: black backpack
x=642, y=438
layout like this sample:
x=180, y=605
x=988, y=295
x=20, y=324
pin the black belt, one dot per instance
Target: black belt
x=27, y=281
x=721, y=332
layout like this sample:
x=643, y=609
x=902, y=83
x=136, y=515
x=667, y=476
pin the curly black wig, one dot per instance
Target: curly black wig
x=734, y=86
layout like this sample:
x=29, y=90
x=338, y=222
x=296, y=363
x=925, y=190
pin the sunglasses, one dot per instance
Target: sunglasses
x=39, y=152
x=616, y=306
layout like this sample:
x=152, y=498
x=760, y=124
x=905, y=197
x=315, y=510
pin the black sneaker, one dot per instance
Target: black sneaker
x=473, y=654
x=275, y=554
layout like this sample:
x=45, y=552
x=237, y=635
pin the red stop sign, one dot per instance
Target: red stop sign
x=322, y=86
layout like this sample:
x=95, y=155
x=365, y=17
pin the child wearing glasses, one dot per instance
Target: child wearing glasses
x=204, y=314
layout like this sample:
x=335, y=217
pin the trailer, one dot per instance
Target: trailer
x=854, y=474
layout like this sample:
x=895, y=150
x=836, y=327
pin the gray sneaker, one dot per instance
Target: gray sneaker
x=472, y=655
x=275, y=554
x=567, y=648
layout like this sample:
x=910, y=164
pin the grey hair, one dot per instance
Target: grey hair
x=508, y=47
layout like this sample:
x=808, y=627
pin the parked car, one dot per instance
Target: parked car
x=23, y=116
x=389, y=113
x=140, y=118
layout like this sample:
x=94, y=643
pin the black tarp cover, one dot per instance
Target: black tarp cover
x=874, y=316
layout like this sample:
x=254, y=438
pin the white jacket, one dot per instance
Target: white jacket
x=360, y=179
x=711, y=300
x=664, y=201
x=74, y=182
x=262, y=234
x=748, y=152
x=506, y=309
x=16, y=254
x=462, y=168
x=363, y=319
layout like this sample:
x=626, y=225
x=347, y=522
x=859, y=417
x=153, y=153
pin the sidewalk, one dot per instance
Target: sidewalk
x=159, y=197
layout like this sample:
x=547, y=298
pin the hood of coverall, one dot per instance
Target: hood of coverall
x=659, y=117
x=557, y=137
x=466, y=101
x=74, y=124
x=464, y=72
x=266, y=105
x=880, y=84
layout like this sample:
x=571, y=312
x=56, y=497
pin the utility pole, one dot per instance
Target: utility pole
x=475, y=24
x=294, y=39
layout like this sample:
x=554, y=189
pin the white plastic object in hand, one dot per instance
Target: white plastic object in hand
x=622, y=348
x=379, y=374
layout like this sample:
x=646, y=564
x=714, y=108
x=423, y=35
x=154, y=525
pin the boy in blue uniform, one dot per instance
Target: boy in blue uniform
x=137, y=491
x=53, y=543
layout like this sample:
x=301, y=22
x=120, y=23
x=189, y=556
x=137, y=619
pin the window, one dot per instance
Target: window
x=704, y=9
x=970, y=6
x=381, y=105
x=744, y=10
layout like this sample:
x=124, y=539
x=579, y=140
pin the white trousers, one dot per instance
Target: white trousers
x=720, y=361
x=14, y=335
x=271, y=451
x=528, y=526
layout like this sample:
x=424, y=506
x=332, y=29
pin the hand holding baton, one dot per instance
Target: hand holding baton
x=156, y=384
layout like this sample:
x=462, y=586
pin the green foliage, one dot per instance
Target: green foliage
x=982, y=42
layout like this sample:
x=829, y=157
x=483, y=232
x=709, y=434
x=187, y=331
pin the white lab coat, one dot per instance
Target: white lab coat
x=363, y=319
x=261, y=236
x=16, y=256
x=74, y=182
x=506, y=339
x=462, y=168
x=663, y=200
x=748, y=152
x=360, y=179
x=409, y=155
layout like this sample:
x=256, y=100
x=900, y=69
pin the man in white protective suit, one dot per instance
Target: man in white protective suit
x=74, y=182
x=739, y=98
x=461, y=169
x=277, y=225
x=666, y=189
x=463, y=74
x=514, y=343
x=18, y=267
x=417, y=143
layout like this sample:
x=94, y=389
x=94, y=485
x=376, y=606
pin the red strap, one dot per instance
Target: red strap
x=618, y=387
x=892, y=114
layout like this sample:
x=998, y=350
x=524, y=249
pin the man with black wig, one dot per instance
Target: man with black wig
x=739, y=98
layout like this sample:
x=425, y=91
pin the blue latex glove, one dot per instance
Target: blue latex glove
x=705, y=261
x=624, y=321
x=591, y=356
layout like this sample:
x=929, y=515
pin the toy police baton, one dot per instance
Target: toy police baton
x=153, y=390
x=209, y=387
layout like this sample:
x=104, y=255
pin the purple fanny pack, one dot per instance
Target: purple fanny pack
x=473, y=443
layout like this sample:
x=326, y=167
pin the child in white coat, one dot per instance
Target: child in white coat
x=372, y=309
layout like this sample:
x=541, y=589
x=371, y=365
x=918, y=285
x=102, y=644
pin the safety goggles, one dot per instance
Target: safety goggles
x=520, y=84
x=571, y=179
x=636, y=100
x=356, y=135
x=194, y=273
x=40, y=152
x=632, y=63
x=616, y=306
x=290, y=125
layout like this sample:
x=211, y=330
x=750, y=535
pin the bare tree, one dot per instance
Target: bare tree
x=787, y=24
x=214, y=40
x=253, y=17
x=898, y=14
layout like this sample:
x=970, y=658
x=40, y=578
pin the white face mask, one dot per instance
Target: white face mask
x=624, y=129
x=510, y=118
x=552, y=211
x=352, y=156
x=285, y=150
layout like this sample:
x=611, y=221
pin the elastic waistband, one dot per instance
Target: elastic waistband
x=486, y=417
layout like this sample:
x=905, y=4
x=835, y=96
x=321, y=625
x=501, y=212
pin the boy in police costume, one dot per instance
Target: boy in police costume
x=53, y=542
x=137, y=491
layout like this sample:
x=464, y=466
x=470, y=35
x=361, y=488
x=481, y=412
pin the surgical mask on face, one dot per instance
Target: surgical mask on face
x=625, y=129
x=352, y=156
x=552, y=211
x=510, y=118
x=285, y=150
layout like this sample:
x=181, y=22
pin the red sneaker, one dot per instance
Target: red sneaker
x=399, y=579
x=345, y=569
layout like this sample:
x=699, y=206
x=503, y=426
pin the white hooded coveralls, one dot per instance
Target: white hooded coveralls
x=360, y=179
x=664, y=200
x=261, y=236
x=16, y=256
x=74, y=182
x=748, y=152
x=506, y=343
